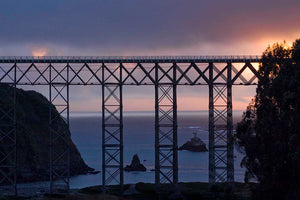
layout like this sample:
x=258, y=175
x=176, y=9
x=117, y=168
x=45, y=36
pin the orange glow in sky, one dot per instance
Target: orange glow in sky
x=38, y=51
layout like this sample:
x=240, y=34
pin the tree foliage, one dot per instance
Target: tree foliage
x=269, y=133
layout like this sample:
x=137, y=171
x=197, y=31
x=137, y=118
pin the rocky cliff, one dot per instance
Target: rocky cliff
x=32, y=111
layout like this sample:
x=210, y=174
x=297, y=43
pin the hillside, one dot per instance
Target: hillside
x=32, y=111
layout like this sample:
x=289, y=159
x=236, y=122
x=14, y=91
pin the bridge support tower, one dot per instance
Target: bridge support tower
x=112, y=133
x=59, y=130
x=221, y=163
x=166, y=156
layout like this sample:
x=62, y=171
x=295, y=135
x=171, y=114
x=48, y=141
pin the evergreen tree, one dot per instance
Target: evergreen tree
x=269, y=132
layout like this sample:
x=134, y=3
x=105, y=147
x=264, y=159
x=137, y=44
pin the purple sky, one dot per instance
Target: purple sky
x=156, y=27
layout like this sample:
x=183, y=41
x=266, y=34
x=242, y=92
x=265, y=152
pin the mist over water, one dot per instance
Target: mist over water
x=139, y=138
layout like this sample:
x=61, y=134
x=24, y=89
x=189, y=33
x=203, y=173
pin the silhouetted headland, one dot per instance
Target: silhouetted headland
x=32, y=111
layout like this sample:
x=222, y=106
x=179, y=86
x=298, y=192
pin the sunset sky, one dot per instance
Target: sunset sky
x=140, y=27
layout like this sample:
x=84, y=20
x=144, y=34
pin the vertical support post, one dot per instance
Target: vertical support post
x=175, y=126
x=112, y=132
x=166, y=159
x=59, y=132
x=157, y=166
x=68, y=126
x=50, y=132
x=15, y=130
x=103, y=133
x=230, y=160
x=121, y=130
x=211, y=127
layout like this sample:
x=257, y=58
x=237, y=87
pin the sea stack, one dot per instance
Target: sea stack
x=135, y=165
x=195, y=145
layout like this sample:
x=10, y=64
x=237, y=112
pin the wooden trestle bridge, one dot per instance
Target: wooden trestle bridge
x=165, y=73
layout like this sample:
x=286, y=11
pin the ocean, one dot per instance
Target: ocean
x=139, y=139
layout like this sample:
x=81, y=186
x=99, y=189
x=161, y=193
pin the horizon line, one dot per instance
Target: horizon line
x=149, y=111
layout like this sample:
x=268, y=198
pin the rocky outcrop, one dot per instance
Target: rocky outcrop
x=135, y=165
x=32, y=112
x=195, y=145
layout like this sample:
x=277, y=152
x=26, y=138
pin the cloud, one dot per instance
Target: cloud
x=144, y=27
x=135, y=27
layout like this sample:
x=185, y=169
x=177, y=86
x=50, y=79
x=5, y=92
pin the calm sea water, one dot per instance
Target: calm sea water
x=139, y=138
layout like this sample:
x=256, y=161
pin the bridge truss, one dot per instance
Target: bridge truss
x=165, y=73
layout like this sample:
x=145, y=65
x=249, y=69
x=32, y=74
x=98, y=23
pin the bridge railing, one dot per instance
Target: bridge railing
x=252, y=58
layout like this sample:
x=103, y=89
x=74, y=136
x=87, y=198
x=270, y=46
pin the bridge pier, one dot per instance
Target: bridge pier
x=221, y=163
x=166, y=156
x=59, y=135
x=112, y=133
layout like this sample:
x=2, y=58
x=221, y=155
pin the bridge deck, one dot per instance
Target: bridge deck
x=128, y=59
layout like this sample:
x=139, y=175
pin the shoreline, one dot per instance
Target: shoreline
x=188, y=190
